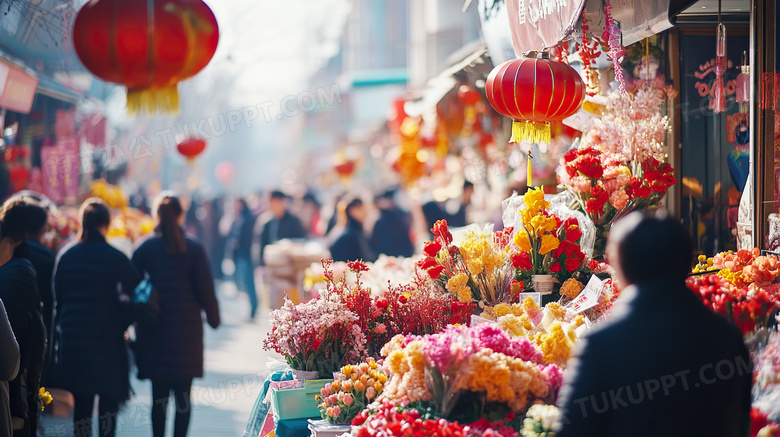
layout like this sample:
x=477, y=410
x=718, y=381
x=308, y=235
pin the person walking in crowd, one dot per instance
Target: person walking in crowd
x=9, y=367
x=93, y=282
x=282, y=224
x=41, y=257
x=352, y=244
x=170, y=353
x=241, y=236
x=310, y=215
x=460, y=217
x=667, y=383
x=19, y=293
x=391, y=233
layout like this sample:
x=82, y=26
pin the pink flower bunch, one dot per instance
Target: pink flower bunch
x=316, y=335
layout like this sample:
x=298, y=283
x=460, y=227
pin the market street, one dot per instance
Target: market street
x=223, y=399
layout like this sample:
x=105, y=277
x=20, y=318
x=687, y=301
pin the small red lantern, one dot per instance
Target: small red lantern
x=534, y=91
x=191, y=147
x=147, y=46
x=468, y=95
x=346, y=168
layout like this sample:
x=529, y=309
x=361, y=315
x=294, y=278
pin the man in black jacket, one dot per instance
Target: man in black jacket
x=282, y=224
x=663, y=365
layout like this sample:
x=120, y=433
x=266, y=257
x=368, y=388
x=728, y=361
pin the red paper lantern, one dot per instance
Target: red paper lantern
x=191, y=147
x=534, y=91
x=345, y=169
x=147, y=46
x=468, y=95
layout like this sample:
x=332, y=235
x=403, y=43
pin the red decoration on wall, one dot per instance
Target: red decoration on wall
x=534, y=91
x=191, y=147
x=148, y=46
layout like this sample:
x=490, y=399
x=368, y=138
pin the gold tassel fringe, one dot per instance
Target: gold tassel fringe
x=530, y=132
x=151, y=100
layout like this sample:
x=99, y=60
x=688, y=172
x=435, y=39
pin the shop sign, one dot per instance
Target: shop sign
x=65, y=124
x=17, y=89
x=540, y=24
x=52, y=183
x=70, y=169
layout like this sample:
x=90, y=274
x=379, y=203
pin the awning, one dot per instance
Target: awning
x=51, y=88
x=438, y=86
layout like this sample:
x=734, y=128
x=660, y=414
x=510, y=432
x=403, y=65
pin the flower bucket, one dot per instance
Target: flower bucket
x=543, y=283
x=305, y=374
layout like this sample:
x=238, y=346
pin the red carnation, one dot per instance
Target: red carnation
x=570, y=156
x=572, y=265
x=599, y=193
x=555, y=268
x=571, y=221
x=590, y=167
x=522, y=261
x=432, y=248
x=435, y=272
x=593, y=206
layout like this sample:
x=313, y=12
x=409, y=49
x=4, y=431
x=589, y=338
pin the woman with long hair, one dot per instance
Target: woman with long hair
x=170, y=353
x=352, y=244
x=93, y=282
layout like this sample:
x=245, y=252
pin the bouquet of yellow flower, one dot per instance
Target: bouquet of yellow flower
x=112, y=195
x=479, y=269
x=548, y=245
x=356, y=387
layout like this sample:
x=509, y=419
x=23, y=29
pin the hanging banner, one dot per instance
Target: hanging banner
x=65, y=124
x=52, y=183
x=17, y=89
x=69, y=148
x=540, y=24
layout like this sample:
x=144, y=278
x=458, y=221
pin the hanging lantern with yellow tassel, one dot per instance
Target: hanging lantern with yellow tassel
x=533, y=91
x=147, y=46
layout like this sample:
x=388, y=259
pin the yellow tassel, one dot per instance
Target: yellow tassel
x=530, y=182
x=530, y=132
x=151, y=100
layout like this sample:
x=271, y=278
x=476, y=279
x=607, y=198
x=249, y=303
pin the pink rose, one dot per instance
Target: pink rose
x=370, y=393
x=332, y=399
x=348, y=399
x=618, y=199
x=380, y=328
x=325, y=392
x=611, y=173
x=580, y=184
x=611, y=186
x=336, y=411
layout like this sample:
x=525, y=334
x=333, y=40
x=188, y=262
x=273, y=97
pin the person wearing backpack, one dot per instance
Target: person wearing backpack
x=93, y=283
x=169, y=351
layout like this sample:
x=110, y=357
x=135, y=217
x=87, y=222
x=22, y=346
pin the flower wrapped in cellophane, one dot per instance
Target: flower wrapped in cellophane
x=547, y=243
x=478, y=269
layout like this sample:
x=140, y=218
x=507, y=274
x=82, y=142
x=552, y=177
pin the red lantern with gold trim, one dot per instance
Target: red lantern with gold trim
x=191, y=148
x=533, y=91
x=147, y=46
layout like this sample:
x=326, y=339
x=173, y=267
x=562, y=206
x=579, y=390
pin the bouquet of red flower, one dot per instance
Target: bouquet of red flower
x=606, y=187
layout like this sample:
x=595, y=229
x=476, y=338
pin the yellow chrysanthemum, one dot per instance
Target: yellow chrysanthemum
x=457, y=282
x=557, y=311
x=512, y=325
x=542, y=224
x=549, y=243
x=464, y=294
x=571, y=288
x=523, y=241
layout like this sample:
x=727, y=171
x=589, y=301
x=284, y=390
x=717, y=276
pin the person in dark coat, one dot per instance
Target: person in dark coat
x=459, y=218
x=663, y=364
x=353, y=244
x=35, y=217
x=19, y=293
x=93, y=282
x=282, y=224
x=9, y=367
x=391, y=233
x=241, y=236
x=170, y=353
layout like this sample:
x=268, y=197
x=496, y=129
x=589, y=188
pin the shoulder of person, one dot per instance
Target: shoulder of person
x=146, y=242
x=193, y=244
x=22, y=265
